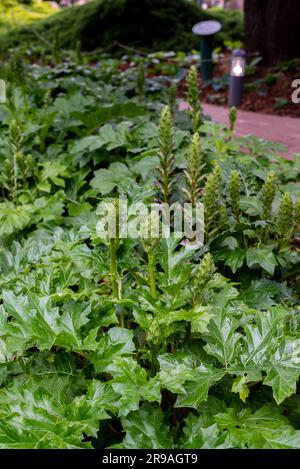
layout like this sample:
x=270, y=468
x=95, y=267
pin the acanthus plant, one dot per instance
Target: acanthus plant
x=165, y=154
x=193, y=97
x=193, y=173
x=144, y=343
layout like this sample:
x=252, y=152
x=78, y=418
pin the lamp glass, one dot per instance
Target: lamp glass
x=238, y=67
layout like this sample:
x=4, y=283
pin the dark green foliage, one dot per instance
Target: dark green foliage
x=141, y=342
x=232, y=24
x=145, y=24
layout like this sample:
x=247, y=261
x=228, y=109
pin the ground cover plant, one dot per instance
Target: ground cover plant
x=141, y=343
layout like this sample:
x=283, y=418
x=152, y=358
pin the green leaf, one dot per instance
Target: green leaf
x=45, y=416
x=117, y=342
x=34, y=322
x=107, y=113
x=197, y=436
x=105, y=180
x=263, y=428
x=263, y=257
x=223, y=342
x=239, y=386
x=145, y=430
x=283, y=371
x=183, y=375
x=260, y=337
x=264, y=292
x=250, y=205
x=175, y=370
x=13, y=218
x=235, y=259
x=131, y=383
x=199, y=317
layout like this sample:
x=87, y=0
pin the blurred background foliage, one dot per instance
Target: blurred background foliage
x=148, y=25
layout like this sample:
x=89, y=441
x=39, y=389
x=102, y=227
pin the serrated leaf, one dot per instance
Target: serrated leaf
x=117, y=342
x=145, y=430
x=105, y=180
x=197, y=436
x=283, y=371
x=130, y=381
x=222, y=339
x=182, y=374
x=45, y=419
x=33, y=321
x=235, y=259
x=263, y=257
x=259, y=429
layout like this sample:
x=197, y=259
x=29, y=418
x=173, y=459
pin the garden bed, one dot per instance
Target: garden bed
x=156, y=342
x=267, y=90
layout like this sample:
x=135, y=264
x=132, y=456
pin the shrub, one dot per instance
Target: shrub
x=150, y=24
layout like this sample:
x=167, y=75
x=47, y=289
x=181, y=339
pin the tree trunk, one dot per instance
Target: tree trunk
x=272, y=28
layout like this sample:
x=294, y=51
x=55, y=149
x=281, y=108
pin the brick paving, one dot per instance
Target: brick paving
x=284, y=130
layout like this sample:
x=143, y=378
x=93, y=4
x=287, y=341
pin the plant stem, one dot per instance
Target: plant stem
x=14, y=189
x=114, y=276
x=166, y=185
x=195, y=120
x=153, y=369
x=151, y=270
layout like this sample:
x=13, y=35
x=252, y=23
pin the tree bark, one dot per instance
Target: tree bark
x=272, y=28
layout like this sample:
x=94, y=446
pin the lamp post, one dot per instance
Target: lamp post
x=206, y=30
x=237, y=76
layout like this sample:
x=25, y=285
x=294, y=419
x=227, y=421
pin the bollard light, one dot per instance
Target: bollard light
x=206, y=30
x=237, y=74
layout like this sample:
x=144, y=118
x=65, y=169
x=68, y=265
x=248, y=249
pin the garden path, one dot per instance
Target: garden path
x=284, y=130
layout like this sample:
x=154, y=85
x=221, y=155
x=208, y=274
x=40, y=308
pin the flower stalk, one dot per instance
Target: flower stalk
x=267, y=194
x=193, y=97
x=165, y=154
x=234, y=189
x=212, y=191
x=193, y=172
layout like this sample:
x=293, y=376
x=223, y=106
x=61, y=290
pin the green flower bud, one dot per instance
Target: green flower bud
x=154, y=334
x=212, y=192
x=284, y=219
x=165, y=154
x=223, y=218
x=297, y=217
x=267, y=194
x=234, y=188
x=165, y=133
x=193, y=90
x=205, y=271
x=193, y=96
x=15, y=136
x=193, y=171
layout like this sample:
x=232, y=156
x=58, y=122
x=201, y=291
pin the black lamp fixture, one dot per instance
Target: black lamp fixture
x=237, y=76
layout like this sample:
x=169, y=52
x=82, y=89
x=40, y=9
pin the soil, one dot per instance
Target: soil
x=267, y=90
